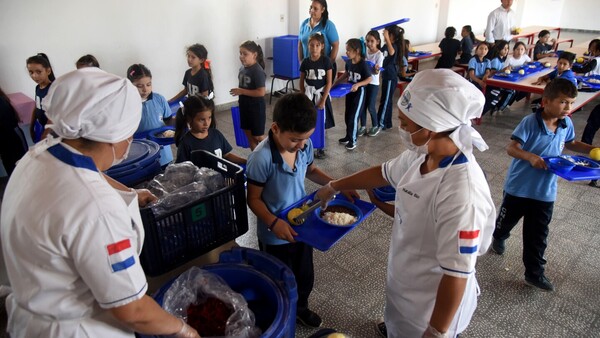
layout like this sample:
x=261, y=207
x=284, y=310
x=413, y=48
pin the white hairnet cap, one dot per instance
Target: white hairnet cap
x=441, y=100
x=93, y=104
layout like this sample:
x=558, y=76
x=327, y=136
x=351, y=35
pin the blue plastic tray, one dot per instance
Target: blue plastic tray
x=240, y=138
x=163, y=141
x=318, y=136
x=419, y=53
x=340, y=90
x=586, y=81
x=529, y=68
x=175, y=105
x=397, y=22
x=576, y=174
x=318, y=234
x=385, y=194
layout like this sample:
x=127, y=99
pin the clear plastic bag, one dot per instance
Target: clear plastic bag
x=196, y=286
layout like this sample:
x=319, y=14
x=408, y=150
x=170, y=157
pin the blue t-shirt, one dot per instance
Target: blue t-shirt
x=154, y=110
x=479, y=66
x=567, y=75
x=523, y=180
x=282, y=186
x=329, y=33
x=390, y=65
x=496, y=64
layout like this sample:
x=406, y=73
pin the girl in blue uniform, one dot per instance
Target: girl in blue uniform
x=40, y=70
x=479, y=66
x=359, y=74
x=197, y=79
x=251, y=92
x=392, y=57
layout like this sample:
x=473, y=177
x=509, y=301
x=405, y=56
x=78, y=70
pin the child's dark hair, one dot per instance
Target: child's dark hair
x=295, y=113
x=320, y=38
x=88, y=60
x=469, y=30
x=594, y=43
x=520, y=43
x=138, y=71
x=450, y=32
x=543, y=33
x=560, y=86
x=376, y=36
x=201, y=52
x=498, y=47
x=398, y=37
x=325, y=15
x=191, y=107
x=570, y=57
x=483, y=43
x=405, y=48
x=253, y=47
x=357, y=45
x=42, y=59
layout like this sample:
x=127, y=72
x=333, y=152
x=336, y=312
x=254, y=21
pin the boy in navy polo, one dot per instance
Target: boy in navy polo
x=530, y=189
x=276, y=170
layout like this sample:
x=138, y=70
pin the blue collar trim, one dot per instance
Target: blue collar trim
x=72, y=159
x=448, y=159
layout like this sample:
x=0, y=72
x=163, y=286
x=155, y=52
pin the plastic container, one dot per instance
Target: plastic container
x=318, y=136
x=240, y=137
x=559, y=164
x=266, y=283
x=342, y=203
x=592, y=81
x=285, y=56
x=397, y=22
x=195, y=228
x=175, y=105
x=385, y=194
x=528, y=69
x=142, y=163
x=340, y=90
x=163, y=141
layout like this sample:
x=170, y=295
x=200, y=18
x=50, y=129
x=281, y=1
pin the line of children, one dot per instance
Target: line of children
x=316, y=78
x=466, y=44
x=197, y=79
x=374, y=55
x=450, y=48
x=155, y=108
x=530, y=189
x=357, y=73
x=251, y=92
x=41, y=73
x=276, y=172
x=542, y=48
x=197, y=116
x=394, y=40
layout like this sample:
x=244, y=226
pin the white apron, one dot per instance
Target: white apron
x=413, y=271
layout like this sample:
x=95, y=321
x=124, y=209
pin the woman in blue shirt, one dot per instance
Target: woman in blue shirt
x=319, y=23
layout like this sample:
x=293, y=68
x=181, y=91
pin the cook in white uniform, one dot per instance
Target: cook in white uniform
x=70, y=235
x=443, y=212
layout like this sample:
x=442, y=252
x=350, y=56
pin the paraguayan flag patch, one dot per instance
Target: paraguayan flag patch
x=467, y=241
x=120, y=255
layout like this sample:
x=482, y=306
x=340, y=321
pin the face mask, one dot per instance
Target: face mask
x=406, y=139
x=119, y=160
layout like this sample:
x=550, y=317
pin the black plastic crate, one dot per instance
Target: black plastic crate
x=198, y=227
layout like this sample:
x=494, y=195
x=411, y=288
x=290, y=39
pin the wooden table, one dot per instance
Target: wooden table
x=23, y=105
x=428, y=47
x=529, y=33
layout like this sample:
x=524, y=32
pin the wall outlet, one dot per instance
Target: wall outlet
x=281, y=17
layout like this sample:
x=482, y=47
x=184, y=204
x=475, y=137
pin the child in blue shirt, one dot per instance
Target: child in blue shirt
x=563, y=70
x=479, y=66
x=155, y=108
x=276, y=172
x=530, y=189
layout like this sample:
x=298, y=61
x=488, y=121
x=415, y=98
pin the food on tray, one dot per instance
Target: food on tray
x=167, y=134
x=593, y=80
x=532, y=66
x=521, y=71
x=595, y=154
x=547, y=64
x=580, y=59
x=338, y=215
x=293, y=214
x=507, y=71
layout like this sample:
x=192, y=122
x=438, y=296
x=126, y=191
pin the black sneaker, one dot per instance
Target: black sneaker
x=319, y=153
x=344, y=140
x=381, y=328
x=351, y=145
x=594, y=183
x=541, y=283
x=361, y=131
x=309, y=318
x=498, y=246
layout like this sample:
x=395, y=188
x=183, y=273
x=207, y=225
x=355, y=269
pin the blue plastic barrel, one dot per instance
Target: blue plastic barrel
x=266, y=283
x=240, y=137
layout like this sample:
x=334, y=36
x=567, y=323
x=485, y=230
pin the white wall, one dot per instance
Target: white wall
x=581, y=14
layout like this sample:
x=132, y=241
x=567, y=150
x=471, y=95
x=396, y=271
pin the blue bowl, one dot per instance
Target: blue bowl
x=342, y=203
x=385, y=194
x=560, y=165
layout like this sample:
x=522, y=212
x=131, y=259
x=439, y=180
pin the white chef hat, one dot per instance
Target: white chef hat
x=93, y=104
x=441, y=100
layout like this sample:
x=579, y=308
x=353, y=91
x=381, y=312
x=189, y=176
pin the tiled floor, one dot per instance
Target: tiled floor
x=350, y=278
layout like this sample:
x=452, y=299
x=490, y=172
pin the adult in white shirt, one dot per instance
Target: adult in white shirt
x=500, y=23
x=70, y=235
x=443, y=211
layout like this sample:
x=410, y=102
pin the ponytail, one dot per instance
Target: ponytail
x=253, y=47
x=180, y=126
x=138, y=71
x=471, y=35
x=42, y=59
x=187, y=112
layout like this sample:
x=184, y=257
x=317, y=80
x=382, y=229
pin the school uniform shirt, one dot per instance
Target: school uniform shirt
x=479, y=66
x=282, y=185
x=443, y=220
x=450, y=48
x=252, y=77
x=466, y=46
x=71, y=245
x=496, y=64
x=315, y=76
x=541, y=48
x=215, y=143
x=377, y=59
x=390, y=71
x=499, y=24
x=513, y=62
x=154, y=110
x=40, y=111
x=523, y=180
x=329, y=32
x=197, y=83
x=567, y=74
